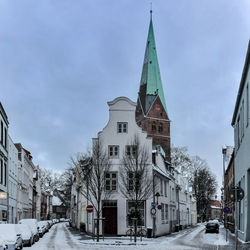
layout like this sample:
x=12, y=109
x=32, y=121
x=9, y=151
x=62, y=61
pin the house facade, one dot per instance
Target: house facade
x=240, y=123
x=229, y=184
x=4, y=124
x=12, y=180
x=115, y=142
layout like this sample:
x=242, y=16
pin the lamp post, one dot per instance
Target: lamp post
x=157, y=197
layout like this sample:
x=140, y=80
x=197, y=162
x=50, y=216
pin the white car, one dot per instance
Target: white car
x=42, y=228
x=12, y=239
x=2, y=245
x=32, y=223
x=26, y=232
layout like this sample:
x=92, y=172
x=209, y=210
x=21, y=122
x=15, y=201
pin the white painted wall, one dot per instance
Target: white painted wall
x=242, y=158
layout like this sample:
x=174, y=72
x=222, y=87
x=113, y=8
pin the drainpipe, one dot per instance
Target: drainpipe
x=154, y=216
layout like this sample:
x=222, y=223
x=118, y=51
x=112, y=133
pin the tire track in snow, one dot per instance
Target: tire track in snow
x=52, y=239
x=69, y=239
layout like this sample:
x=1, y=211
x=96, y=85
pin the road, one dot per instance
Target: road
x=61, y=238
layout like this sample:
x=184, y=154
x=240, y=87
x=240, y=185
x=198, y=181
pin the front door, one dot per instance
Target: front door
x=109, y=212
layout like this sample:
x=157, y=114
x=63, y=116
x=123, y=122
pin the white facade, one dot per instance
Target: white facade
x=164, y=197
x=23, y=183
x=3, y=164
x=241, y=126
x=122, y=110
x=12, y=181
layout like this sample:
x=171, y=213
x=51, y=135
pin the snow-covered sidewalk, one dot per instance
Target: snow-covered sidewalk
x=61, y=237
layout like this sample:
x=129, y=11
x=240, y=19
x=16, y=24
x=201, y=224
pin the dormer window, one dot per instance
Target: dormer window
x=122, y=127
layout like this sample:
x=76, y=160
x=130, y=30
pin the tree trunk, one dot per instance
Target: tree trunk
x=135, y=230
x=98, y=229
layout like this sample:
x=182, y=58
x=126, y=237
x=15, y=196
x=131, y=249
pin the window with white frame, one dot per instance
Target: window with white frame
x=122, y=127
x=114, y=151
x=162, y=213
x=111, y=181
x=166, y=213
x=131, y=210
x=131, y=150
x=247, y=114
x=161, y=183
x=1, y=171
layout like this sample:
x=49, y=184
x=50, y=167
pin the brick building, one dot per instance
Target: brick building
x=151, y=112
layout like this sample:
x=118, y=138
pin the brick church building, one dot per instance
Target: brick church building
x=151, y=111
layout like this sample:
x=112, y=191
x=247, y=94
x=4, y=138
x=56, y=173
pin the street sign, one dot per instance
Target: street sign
x=159, y=207
x=90, y=209
x=153, y=204
x=153, y=211
x=240, y=193
x=227, y=210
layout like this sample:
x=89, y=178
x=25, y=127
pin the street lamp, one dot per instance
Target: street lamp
x=157, y=197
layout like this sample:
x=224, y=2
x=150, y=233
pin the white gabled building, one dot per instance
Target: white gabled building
x=114, y=141
x=12, y=181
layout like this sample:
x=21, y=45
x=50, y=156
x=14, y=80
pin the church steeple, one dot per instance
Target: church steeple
x=151, y=111
x=151, y=84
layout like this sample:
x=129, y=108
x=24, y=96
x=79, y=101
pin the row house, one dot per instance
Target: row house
x=240, y=123
x=29, y=193
x=4, y=124
x=12, y=181
x=229, y=184
x=46, y=205
x=20, y=188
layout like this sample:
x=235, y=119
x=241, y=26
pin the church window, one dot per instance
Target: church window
x=122, y=127
x=160, y=128
x=153, y=127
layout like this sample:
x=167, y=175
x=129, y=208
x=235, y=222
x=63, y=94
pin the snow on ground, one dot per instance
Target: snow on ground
x=59, y=237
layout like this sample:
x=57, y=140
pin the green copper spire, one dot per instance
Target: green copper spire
x=151, y=76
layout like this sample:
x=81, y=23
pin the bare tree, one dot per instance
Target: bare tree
x=204, y=186
x=136, y=181
x=93, y=168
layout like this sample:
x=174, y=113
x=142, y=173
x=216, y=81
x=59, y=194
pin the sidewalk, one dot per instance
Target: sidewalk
x=124, y=240
x=231, y=238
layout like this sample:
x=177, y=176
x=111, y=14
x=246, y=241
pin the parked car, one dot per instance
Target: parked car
x=12, y=239
x=2, y=245
x=26, y=232
x=42, y=228
x=47, y=223
x=212, y=226
x=32, y=223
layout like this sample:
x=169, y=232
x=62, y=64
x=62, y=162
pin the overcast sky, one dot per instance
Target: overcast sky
x=62, y=60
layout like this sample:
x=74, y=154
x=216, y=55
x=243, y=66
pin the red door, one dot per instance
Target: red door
x=110, y=223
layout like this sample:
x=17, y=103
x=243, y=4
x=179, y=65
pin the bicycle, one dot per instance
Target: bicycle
x=142, y=232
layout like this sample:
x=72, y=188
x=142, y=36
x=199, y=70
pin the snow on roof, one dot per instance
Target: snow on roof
x=214, y=207
x=157, y=169
x=56, y=201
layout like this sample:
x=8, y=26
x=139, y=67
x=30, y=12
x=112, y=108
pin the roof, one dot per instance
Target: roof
x=242, y=84
x=215, y=203
x=214, y=207
x=3, y=114
x=151, y=76
x=158, y=170
x=56, y=201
